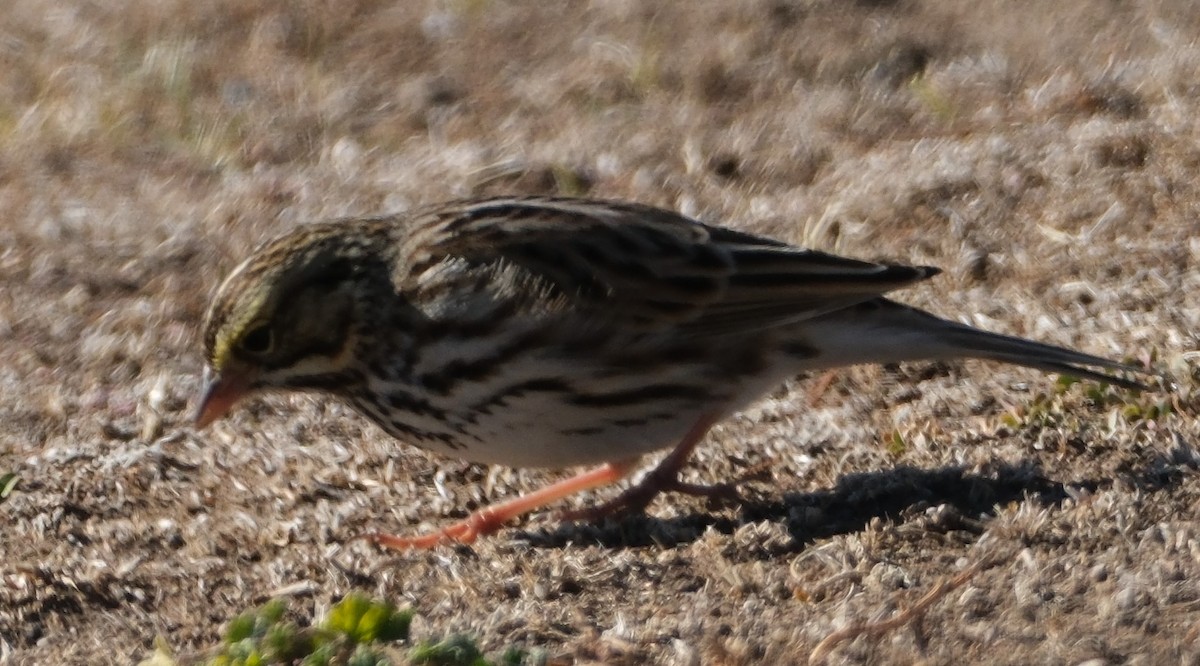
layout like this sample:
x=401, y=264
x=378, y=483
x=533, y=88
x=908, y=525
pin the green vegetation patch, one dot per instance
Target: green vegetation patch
x=357, y=631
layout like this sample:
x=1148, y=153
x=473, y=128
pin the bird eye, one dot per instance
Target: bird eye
x=258, y=340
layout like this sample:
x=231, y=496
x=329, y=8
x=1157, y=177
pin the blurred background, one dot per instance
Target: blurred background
x=1042, y=153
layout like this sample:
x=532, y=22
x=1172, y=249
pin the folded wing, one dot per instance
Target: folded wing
x=651, y=268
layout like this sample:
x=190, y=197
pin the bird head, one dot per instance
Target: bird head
x=288, y=316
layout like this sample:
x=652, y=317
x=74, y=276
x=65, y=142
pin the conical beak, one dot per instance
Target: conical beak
x=219, y=395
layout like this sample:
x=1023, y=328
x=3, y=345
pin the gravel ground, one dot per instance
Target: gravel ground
x=1043, y=154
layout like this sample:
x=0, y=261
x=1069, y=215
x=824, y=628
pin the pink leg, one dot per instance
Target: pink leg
x=489, y=519
x=663, y=478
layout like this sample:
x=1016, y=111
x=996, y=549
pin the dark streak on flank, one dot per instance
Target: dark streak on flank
x=652, y=393
x=582, y=432
x=476, y=370
x=406, y=402
x=621, y=423
x=397, y=428
x=543, y=385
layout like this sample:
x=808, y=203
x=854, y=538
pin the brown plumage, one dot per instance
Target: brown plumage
x=560, y=332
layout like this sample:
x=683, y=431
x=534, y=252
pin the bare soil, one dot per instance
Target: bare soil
x=1043, y=153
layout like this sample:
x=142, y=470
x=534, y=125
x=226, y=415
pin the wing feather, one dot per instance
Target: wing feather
x=650, y=267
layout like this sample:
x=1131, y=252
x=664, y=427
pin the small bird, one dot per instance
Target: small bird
x=558, y=332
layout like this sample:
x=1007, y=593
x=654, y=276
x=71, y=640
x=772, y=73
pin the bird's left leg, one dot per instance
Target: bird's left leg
x=663, y=478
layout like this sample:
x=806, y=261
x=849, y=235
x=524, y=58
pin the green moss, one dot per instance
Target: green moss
x=357, y=631
x=365, y=621
x=457, y=650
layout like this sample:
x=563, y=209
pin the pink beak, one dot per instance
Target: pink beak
x=218, y=396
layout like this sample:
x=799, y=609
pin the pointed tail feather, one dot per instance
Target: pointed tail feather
x=883, y=331
x=982, y=344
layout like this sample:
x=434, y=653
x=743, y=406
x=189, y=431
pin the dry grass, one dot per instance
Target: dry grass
x=1043, y=153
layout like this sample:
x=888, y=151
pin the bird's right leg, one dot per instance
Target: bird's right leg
x=489, y=519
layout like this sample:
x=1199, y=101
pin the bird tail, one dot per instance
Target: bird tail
x=885, y=331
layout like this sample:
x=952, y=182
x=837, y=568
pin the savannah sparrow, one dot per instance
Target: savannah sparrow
x=552, y=332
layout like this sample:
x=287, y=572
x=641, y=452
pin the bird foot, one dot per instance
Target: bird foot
x=480, y=523
x=638, y=497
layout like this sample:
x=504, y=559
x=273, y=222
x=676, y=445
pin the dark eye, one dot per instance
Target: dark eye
x=258, y=340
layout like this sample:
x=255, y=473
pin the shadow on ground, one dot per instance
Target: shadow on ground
x=965, y=501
